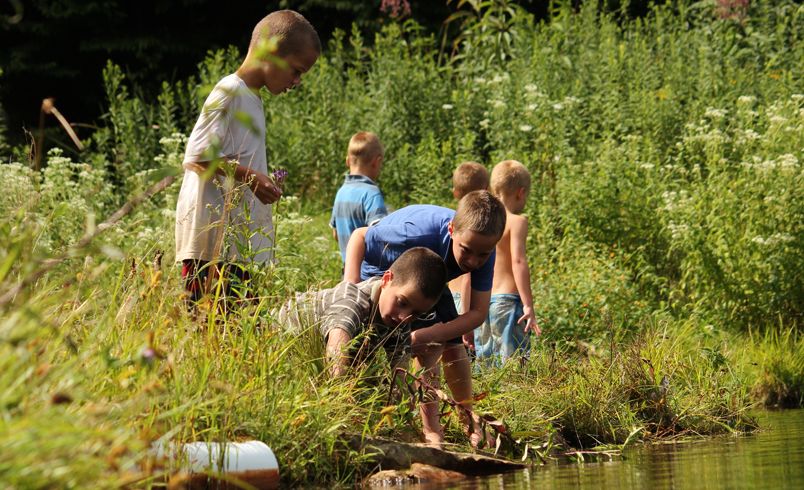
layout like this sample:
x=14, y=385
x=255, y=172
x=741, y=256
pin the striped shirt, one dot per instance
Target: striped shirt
x=358, y=202
x=352, y=308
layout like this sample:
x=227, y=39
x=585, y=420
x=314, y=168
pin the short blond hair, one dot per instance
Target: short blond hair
x=468, y=177
x=480, y=212
x=509, y=176
x=364, y=147
x=294, y=34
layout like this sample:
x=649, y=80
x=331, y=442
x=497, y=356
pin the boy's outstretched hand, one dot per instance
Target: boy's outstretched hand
x=530, y=321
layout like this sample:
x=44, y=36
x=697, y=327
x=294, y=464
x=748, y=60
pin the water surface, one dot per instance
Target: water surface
x=771, y=458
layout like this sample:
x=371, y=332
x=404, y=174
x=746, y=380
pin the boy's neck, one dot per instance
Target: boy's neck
x=360, y=171
x=250, y=76
x=509, y=203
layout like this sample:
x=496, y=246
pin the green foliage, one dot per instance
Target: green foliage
x=666, y=212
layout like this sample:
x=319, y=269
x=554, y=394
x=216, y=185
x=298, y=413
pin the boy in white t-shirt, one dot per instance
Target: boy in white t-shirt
x=229, y=137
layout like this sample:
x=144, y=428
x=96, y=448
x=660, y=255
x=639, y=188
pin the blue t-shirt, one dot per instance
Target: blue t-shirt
x=358, y=203
x=421, y=225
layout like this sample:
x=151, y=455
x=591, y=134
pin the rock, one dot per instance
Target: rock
x=395, y=455
x=417, y=473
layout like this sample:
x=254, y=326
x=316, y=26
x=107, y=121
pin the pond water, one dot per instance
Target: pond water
x=771, y=458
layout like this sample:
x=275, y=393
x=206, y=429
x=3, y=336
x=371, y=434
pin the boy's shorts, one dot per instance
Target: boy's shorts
x=444, y=311
x=500, y=336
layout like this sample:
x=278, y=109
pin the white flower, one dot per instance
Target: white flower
x=788, y=160
x=746, y=100
x=531, y=87
x=646, y=166
x=558, y=106
x=447, y=107
x=484, y=123
x=777, y=119
x=525, y=128
x=497, y=103
x=713, y=113
x=797, y=97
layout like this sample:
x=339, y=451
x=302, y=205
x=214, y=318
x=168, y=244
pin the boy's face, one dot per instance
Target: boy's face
x=279, y=79
x=400, y=303
x=471, y=249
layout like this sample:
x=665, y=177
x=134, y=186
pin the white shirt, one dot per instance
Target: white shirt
x=199, y=224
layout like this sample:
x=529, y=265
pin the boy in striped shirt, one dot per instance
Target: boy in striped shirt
x=377, y=310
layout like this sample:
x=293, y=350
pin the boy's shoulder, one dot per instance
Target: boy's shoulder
x=421, y=215
x=516, y=224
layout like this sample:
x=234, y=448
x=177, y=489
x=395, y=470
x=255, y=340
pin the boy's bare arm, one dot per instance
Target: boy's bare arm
x=465, y=323
x=260, y=184
x=355, y=252
x=466, y=302
x=521, y=273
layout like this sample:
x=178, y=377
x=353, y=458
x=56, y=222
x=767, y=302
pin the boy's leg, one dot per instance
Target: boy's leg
x=194, y=274
x=513, y=338
x=426, y=357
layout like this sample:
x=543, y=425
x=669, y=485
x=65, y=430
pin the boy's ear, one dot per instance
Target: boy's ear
x=450, y=227
x=348, y=161
x=521, y=193
x=387, y=277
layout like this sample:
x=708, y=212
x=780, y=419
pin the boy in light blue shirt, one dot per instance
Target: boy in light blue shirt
x=359, y=201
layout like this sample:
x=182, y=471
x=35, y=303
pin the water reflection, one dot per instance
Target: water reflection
x=772, y=458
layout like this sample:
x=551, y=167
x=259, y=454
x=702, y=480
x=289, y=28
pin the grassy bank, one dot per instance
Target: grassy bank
x=102, y=361
x=666, y=217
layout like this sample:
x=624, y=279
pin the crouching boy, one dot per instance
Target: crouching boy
x=377, y=310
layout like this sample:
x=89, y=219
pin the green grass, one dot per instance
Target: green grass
x=666, y=212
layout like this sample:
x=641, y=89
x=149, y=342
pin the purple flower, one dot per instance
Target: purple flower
x=280, y=175
x=148, y=355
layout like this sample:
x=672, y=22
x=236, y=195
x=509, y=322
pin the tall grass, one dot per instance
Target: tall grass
x=666, y=241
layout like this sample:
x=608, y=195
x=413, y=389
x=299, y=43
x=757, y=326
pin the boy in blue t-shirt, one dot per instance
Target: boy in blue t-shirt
x=466, y=239
x=359, y=201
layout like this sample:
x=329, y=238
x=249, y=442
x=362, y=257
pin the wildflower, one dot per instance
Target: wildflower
x=279, y=176
x=531, y=88
x=714, y=113
x=497, y=103
x=558, y=106
x=484, y=123
x=788, y=160
x=447, y=107
x=750, y=135
x=646, y=166
x=395, y=8
x=777, y=119
x=525, y=128
x=746, y=100
x=148, y=356
x=797, y=97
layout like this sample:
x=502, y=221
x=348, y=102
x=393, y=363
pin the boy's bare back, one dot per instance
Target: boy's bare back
x=510, y=249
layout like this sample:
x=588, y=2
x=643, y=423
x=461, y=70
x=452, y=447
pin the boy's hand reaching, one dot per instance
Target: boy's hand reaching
x=529, y=318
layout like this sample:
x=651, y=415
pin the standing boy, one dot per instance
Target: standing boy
x=511, y=314
x=359, y=201
x=378, y=310
x=465, y=239
x=468, y=177
x=229, y=137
